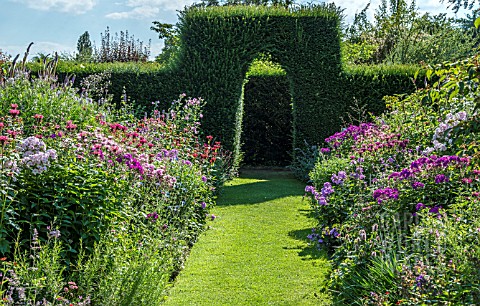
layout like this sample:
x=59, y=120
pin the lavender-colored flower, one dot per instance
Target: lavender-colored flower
x=420, y=280
x=334, y=233
x=310, y=189
x=322, y=200
x=325, y=150
x=204, y=205
x=339, y=178
x=204, y=179
x=358, y=174
x=55, y=234
x=327, y=189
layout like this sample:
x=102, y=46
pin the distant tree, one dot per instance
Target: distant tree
x=457, y=4
x=84, y=47
x=169, y=33
x=121, y=48
x=399, y=34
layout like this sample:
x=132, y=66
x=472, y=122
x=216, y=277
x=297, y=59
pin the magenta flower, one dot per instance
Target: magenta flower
x=417, y=185
x=385, y=194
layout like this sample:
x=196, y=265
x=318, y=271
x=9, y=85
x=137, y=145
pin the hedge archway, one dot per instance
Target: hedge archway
x=219, y=43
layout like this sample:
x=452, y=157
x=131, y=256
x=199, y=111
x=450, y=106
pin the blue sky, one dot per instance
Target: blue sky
x=55, y=25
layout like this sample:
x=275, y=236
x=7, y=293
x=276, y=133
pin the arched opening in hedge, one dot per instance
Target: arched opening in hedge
x=220, y=43
x=267, y=132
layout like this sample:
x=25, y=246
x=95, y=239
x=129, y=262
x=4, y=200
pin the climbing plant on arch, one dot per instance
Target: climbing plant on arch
x=218, y=45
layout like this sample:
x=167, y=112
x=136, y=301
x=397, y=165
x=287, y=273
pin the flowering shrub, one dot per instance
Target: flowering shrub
x=79, y=181
x=397, y=199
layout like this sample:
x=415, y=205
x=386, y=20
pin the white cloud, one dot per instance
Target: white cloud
x=65, y=6
x=140, y=12
x=146, y=9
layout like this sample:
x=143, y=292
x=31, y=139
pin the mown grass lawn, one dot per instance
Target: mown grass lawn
x=256, y=251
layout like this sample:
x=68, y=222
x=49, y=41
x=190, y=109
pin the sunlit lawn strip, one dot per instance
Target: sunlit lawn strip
x=256, y=250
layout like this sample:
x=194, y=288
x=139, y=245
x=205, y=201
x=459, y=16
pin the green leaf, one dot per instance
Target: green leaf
x=477, y=22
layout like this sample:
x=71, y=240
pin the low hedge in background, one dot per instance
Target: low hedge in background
x=267, y=116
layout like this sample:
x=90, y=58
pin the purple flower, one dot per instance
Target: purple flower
x=213, y=217
x=327, y=189
x=358, y=174
x=394, y=175
x=435, y=209
x=152, y=216
x=405, y=174
x=204, y=178
x=309, y=189
x=384, y=194
x=339, y=178
x=416, y=185
x=204, y=205
x=325, y=150
x=419, y=206
x=420, y=280
x=333, y=232
x=441, y=178
x=322, y=200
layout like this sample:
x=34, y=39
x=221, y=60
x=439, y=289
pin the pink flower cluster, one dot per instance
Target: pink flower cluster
x=429, y=163
x=352, y=132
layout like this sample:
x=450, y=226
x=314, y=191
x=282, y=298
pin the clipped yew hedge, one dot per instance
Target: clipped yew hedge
x=218, y=46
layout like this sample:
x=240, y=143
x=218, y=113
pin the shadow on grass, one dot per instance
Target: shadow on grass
x=310, y=251
x=273, y=185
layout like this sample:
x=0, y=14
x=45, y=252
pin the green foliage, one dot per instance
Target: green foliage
x=107, y=204
x=243, y=33
x=212, y=44
x=400, y=35
x=84, y=48
x=171, y=44
x=399, y=215
x=366, y=85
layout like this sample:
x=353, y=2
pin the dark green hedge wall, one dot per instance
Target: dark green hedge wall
x=267, y=121
x=218, y=45
x=369, y=84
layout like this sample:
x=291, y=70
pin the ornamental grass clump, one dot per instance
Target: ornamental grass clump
x=402, y=217
x=109, y=202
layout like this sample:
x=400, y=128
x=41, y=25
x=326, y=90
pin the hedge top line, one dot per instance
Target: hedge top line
x=248, y=11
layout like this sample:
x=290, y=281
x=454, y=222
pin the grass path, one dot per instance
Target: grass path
x=256, y=251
